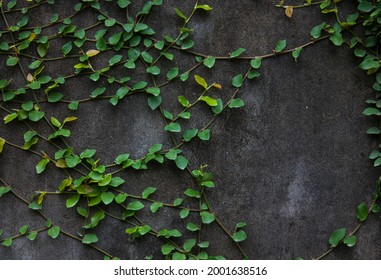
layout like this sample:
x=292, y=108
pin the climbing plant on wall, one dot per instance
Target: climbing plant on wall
x=124, y=57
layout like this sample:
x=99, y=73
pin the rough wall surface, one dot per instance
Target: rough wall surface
x=293, y=163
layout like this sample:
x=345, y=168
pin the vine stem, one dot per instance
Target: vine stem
x=353, y=232
x=46, y=219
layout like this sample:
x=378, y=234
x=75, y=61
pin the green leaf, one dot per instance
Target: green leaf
x=72, y=201
x=89, y=239
x=192, y=227
x=95, y=219
x=55, y=122
x=115, y=59
x=237, y=81
x=296, y=53
x=155, y=91
x=208, y=100
x=155, y=148
x=4, y=190
x=365, y=6
x=54, y=231
x=280, y=45
x=189, y=244
x=177, y=202
x=167, y=249
x=114, y=39
x=107, y=197
x=82, y=211
x=239, y=236
x=336, y=236
x=121, y=158
x=316, y=30
x=180, y=13
x=32, y=236
x=156, y=206
x=209, y=61
x=236, y=103
x=368, y=64
x=207, y=217
x=139, y=85
x=203, y=245
x=240, y=225
x=147, y=192
x=40, y=167
x=373, y=130
x=147, y=57
x=204, y=135
x=181, y=162
x=34, y=206
x=362, y=212
x=88, y=153
x=116, y=182
x=184, y=213
x=62, y=132
x=173, y=73
x=35, y=116
x=120, y=198
x=110, y=22
x=7, y=242
x=72, y=161
x=189, y=134
x=73, y=105
x=124, y=3
x=183, y=101
x=10, y=117
x=350, y=241
x=135, y=206
x=204, y=7
x=201, y=81
x=23, y=229
x=98, y=91
x=376, y=208
x=143, y=230
x=173, y=127
x=12, y=61
x=192, y=193
x=377, y=162
x=66, y=49
x=154, y=102
x=237, y=52
x=106, y=179
x=256, y=63
x=154, y=70
x=169, y=233
x=54, y=97
x=371, y=111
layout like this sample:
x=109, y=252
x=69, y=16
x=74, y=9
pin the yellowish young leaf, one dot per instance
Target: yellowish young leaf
x=289, y=11
x=69, y=119
x=30, y=78
x=61, y=163
x=201, y=81
x=41, y=197
x=91, y=53
x=217, y=86
x=32, y=37
x=2, y=143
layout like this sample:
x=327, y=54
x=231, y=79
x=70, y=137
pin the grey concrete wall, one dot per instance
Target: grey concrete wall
x=292, y=163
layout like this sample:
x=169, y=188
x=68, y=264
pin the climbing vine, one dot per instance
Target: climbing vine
x=125, y=57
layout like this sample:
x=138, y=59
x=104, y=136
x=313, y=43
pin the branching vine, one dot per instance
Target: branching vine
x=95, y=188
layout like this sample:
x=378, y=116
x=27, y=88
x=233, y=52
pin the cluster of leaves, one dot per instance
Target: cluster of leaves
x=89, y=185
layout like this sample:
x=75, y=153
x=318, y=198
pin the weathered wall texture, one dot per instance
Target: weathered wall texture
x=293, y=163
